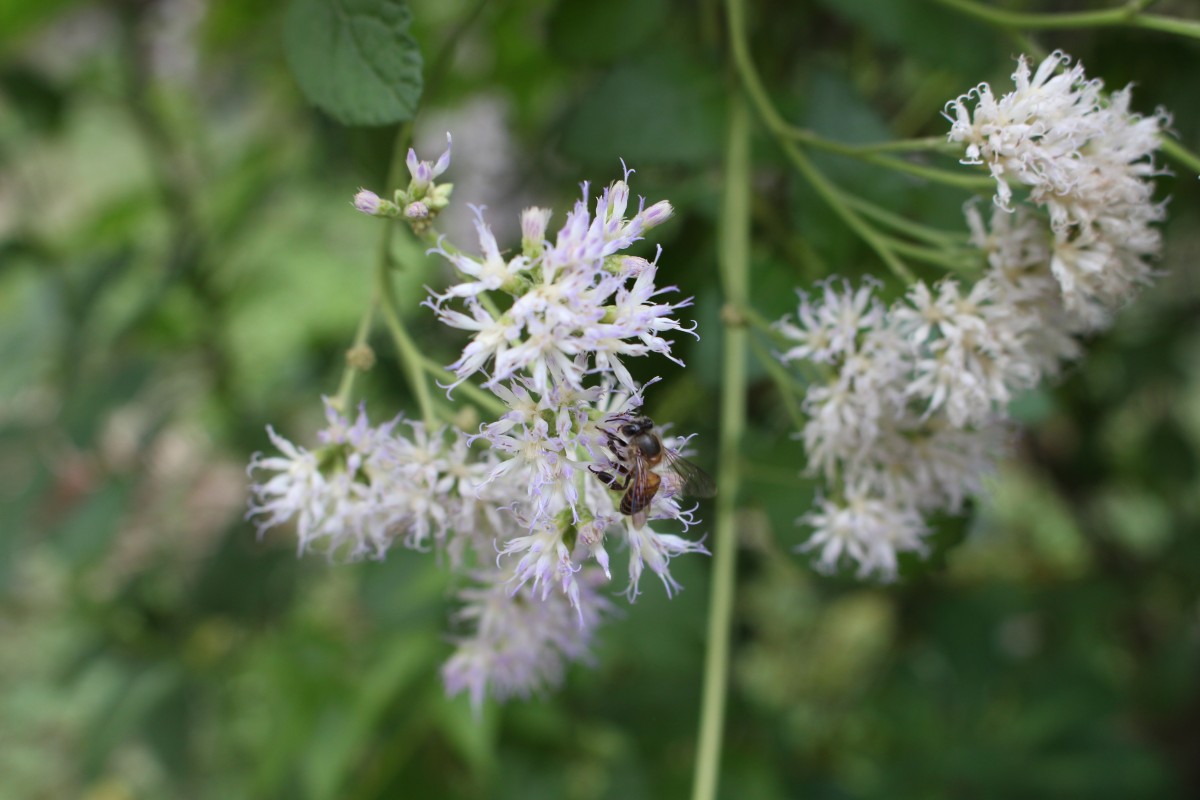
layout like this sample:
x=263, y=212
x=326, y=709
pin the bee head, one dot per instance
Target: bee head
x=636, y=426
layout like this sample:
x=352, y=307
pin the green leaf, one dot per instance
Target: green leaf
x=355, y=59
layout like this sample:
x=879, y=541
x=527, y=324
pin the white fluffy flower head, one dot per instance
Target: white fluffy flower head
x=1087, y=160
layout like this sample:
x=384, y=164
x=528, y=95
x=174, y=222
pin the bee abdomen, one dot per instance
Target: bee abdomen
x=640, y=494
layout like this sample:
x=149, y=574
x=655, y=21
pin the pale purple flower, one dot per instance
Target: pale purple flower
x=338, y=495
x=648, y=548
x=366, y=487
x=571, y=309
x=543, y=560
x=424, y=172
x=520, y=644
x=534, y=222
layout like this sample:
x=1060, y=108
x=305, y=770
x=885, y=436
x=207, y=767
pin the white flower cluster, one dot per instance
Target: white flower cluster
x=1087, y=160
x=551, y=328
x=574, y=307
x=911, y=412
x=527, y=518
x=365, y=487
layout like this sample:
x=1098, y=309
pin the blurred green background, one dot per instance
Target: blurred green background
x=180, y=266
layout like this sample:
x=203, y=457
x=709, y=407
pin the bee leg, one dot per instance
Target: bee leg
x=614, y=442
x=619, y=482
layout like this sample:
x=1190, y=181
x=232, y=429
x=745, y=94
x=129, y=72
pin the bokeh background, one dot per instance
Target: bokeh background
x=180, y=267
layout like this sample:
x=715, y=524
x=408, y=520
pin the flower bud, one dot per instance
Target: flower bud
x=367, y=202
x=533, y=229
x=657, y=214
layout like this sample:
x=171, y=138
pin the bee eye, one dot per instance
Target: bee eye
x=629, y=430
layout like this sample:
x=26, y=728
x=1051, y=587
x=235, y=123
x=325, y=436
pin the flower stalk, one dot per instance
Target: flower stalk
x=734, y=265
x=784, y=133
x=1129, y=15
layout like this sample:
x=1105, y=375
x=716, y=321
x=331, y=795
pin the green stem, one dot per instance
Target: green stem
x=385, y=292
x=753, y=87
x=1127, y=14
x=915, y=230
x=941, y=248
x=1175, y=150
x=938, y=258
x=872, y=154
x=932, y=174
x=783, y=380
x=350, y=372
x=486, y=401
x=410, y=355
x=734, y=264
x=1179, y=27
x=833, y=198
x=926, y=143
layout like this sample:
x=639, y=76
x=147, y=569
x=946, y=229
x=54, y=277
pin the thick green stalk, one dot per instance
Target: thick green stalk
x=734, y=265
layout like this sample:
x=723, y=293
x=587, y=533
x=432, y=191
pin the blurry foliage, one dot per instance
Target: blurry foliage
x=179, y=266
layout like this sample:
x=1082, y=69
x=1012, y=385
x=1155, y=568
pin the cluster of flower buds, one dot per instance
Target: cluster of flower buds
x=421, y=202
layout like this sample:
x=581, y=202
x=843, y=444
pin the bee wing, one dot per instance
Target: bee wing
x=643, y=485
x=689, y=479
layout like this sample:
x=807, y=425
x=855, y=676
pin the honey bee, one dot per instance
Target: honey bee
x=643, y=464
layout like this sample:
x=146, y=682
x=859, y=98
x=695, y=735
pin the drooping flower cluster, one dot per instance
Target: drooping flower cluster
x=526, y=506
x=912, y=413
x=521, y=639
x=1087, y=160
